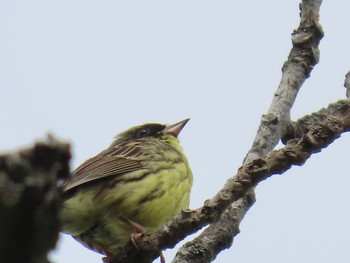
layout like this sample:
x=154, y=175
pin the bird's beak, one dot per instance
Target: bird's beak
x=175, y=129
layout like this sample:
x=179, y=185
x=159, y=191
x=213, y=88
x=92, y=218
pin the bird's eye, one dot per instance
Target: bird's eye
x=143, y=132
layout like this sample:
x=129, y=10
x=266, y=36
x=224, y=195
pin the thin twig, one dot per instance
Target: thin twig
x=347, y=84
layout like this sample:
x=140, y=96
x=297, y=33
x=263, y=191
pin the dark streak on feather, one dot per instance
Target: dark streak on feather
x=155, y=193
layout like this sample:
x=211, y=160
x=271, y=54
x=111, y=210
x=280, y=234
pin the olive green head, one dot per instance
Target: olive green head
x=150, y=131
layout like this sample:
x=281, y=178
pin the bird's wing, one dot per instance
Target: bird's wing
x=113, y=161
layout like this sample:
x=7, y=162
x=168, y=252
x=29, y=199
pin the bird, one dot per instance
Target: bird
x=136, y=185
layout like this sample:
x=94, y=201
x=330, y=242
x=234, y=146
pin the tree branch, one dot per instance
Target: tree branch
x=218, y=236
x=29, y=201
x=274, y=125
x=302, y=58
x=320, y=129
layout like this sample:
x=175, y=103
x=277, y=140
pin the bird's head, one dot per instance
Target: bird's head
x=151, y=131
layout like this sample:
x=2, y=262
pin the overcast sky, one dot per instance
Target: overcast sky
x=87, y=70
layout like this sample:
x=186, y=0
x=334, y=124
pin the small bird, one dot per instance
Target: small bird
x=137, y=184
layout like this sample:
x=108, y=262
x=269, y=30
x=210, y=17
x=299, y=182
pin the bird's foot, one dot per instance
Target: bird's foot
x=140, y=230
x=138, y=227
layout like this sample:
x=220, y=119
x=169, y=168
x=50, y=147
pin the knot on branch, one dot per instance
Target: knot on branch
x=269, y=119
x=207, y=210
x=305, y=41
x=257, y=169
x=292, y=154
x=322, y=135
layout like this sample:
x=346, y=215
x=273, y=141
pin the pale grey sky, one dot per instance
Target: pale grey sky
x=86, y=70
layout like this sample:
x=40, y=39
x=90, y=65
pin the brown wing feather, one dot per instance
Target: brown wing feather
x=113, y=161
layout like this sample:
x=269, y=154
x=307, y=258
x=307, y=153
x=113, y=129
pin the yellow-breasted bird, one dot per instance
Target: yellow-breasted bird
x=141, y=180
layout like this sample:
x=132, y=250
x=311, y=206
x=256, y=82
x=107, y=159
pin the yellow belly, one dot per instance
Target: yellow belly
x=96, y=214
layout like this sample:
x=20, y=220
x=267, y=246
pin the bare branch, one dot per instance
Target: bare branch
x=274, y=125
x=301, y=60
x=216, y=238
x=303, y=56
x=321, y=129
x=257, y=167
